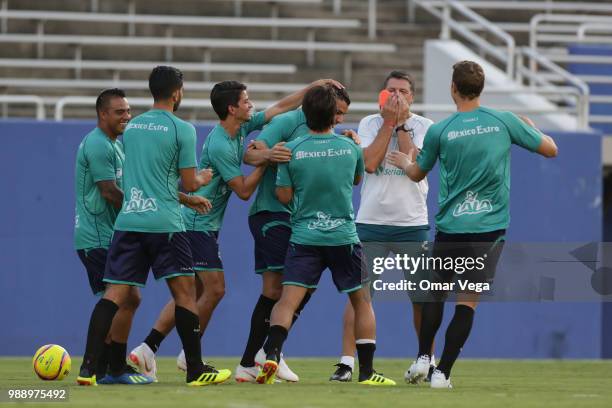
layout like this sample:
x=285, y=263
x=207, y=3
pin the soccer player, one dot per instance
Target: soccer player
x=270, y=226
x=473, y=146
x=392, y=216
x=319, y=182
x=98, y=180
x=149, y=231
x=223, y=152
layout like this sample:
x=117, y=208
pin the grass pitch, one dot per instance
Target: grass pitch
x=478, y=383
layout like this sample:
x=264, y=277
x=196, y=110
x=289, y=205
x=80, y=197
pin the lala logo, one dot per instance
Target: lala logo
x=471, y=205
x=137, y=204
x=325, y=222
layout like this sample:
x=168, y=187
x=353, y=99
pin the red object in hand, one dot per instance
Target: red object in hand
x=382, y=97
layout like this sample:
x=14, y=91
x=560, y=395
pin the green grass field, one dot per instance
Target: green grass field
x=478, y=383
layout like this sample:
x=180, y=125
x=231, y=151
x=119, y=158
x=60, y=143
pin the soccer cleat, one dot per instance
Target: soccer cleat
x=283, y=372
x=344, y=373
x=209, y=376
x=439, y=380
x=267, y=374
x=128, y=377
x=86, y=378
x=377, y=379
x=246, y=374
x=418, y=370
x=431, y=370
x=142, y=359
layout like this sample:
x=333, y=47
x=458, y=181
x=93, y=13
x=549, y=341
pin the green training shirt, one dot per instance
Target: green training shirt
x=223, y=154
x=99, y=158
x=474, y=152
x=282, y=128
x=321, y=172
x=157, y=144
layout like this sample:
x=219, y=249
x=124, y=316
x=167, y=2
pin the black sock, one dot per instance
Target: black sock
x=456, y=335
x=296, y=314
x=117, y=357
x=99, y=326
x=276, y=337
x=188, y=328
x=154, y=340
x=365, y=354
x=102, y=364
x=260, y=324
x=430, y=323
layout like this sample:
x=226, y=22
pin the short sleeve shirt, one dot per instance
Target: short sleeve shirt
x=157, y=145
x=223, y=154
x=321, y=173
x=473, y=149
x=99, y=158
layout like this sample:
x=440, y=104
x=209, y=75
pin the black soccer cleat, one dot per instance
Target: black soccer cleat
x=343, y=373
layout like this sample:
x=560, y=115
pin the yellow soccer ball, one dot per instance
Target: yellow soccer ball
x=51, y=362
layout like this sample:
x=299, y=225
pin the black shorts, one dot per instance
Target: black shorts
x=205, y=250
x=484, y=247
x=305, y=264
x=271, y=232
x=94, y=261
x=132, y=254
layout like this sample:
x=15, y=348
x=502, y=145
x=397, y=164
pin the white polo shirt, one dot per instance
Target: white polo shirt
x=388, y=196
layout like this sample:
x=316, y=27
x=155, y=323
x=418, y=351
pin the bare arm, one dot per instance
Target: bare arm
x=245, y=186
x=548, y=147
x=375, y=153
x=192, y=179
x=284, y=194
x=294, y=100
x=404, y=138
x=200, y=204
x=258, y=153
x=111, y=192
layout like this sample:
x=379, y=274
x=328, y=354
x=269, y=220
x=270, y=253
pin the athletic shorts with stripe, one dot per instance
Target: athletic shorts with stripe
x=271, y=232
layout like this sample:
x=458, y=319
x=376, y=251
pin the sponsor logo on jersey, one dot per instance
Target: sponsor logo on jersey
x=302, y=154
x=477, y=130
x=137, y=204
x=147, y=126
x=325, y=222
x=471, y=205
x=385, y=171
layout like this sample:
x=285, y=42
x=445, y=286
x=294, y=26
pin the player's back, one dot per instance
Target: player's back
x=156, y=144
x=322, y=170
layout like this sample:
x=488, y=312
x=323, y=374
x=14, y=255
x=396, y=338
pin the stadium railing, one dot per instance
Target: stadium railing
x=310, y=47
x=35, y=100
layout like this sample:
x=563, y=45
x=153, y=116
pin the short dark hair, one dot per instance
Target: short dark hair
x=400, y=75
x=468, y=78
x=225, y=94
x=342, y=94
x=319, y=106
x=164, y=81
x=105, y=96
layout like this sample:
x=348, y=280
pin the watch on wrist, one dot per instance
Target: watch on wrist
x=402, y=127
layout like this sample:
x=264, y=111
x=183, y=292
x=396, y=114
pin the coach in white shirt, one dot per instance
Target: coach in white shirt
x=393, y=209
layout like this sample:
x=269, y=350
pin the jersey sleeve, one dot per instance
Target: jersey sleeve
x=278, y=129
x=431, y=150
x=283, y=178
x=187, y=146
x=101, y=160
x=367, y=131
x=521, y=133
x=224, y=160
x=257, y=122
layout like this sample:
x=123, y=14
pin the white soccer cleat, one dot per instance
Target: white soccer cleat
x=142, y=359
x=246, y=374
x=418, y=370
x=439, y=380
x=283, y=373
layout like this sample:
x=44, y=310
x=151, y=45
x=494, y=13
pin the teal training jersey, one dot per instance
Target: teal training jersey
x=282, y=128
x=99, y=158
x=157, y=145
x=474, y=152
x=321, y=172
x=223, y=154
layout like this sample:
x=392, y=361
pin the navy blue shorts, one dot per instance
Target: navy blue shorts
x=205, y=250
x=94, y=261
x=132, y=254
x=305, y=264
x=271, y=232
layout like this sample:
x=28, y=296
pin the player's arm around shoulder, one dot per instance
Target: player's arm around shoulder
x=269, y=145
